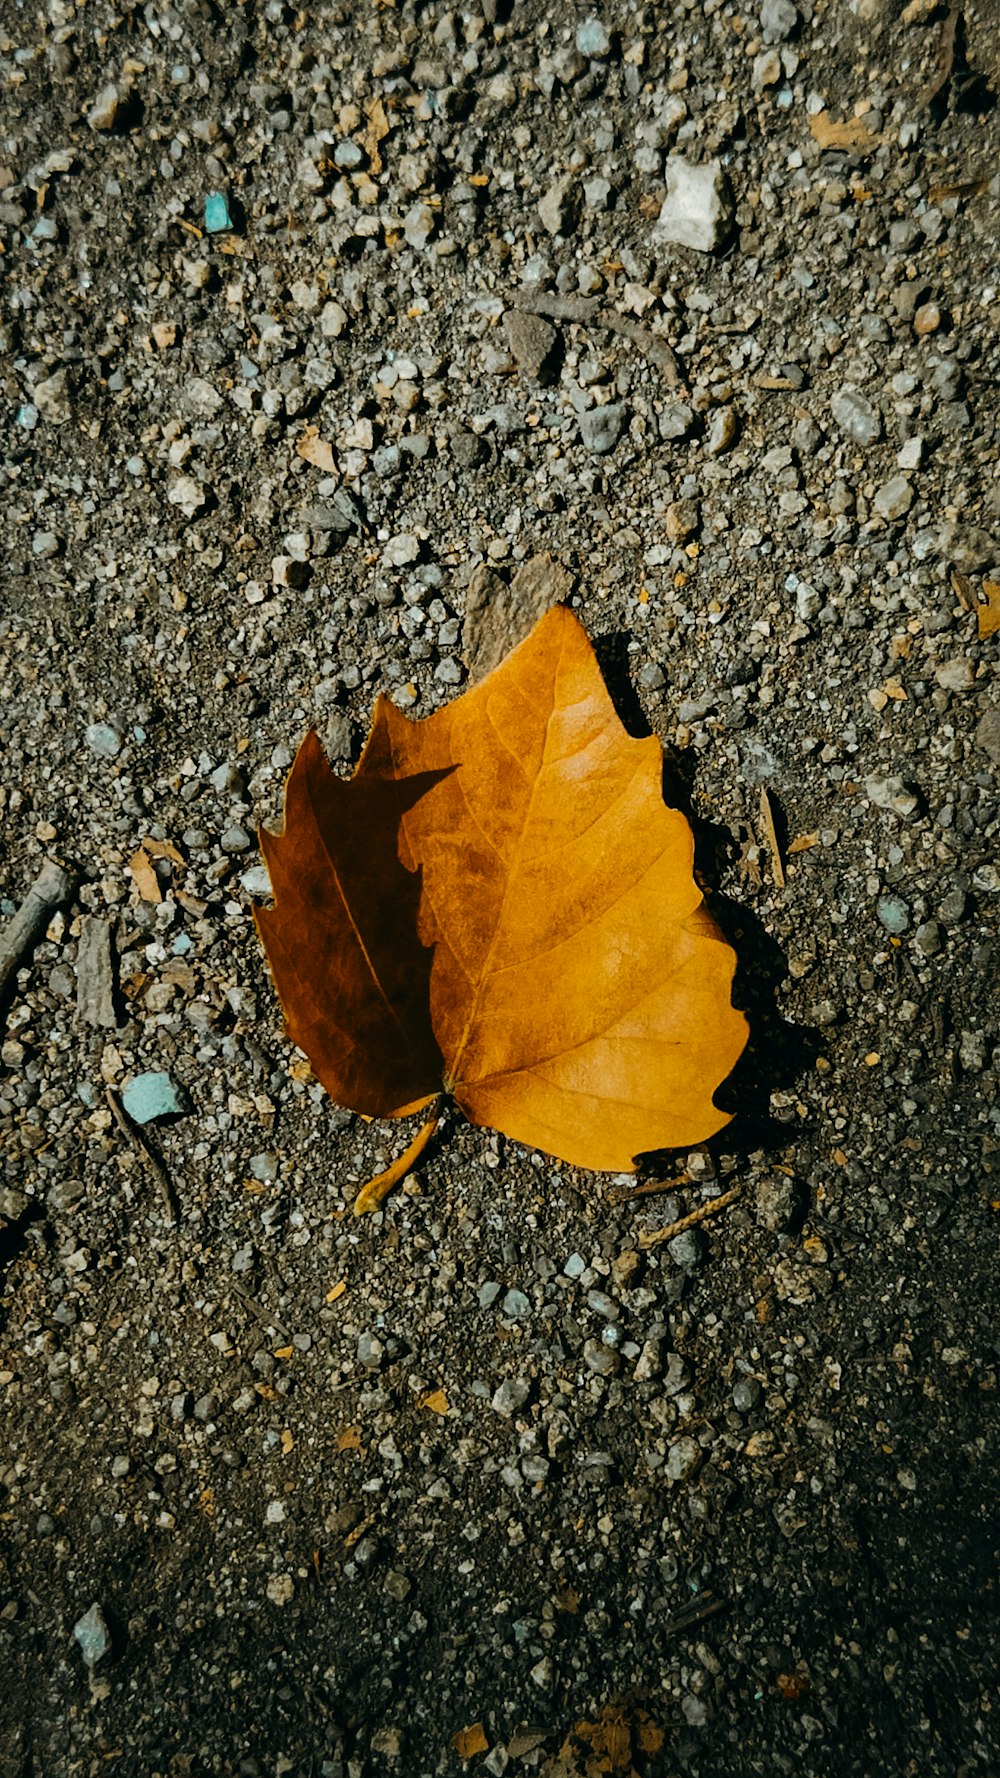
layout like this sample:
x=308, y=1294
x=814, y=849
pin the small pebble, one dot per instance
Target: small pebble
x=593, y=39
x=92, y=1633
x=103, y=740
x=746, y=1395
x=104, y=110
x=534, y=343
x=560, y=207
x=723, y=430
x=955, y=675
x=775, y=1201
x=698, y=209
x=778, y=20
x=511, y=1395
x=217, y=218
x=893, y=914
x=894, y=497
x=683, y=1459
x=602, y=427
x=153, y=1095
x=855, y=416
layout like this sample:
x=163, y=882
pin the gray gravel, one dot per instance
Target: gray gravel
x=335, y=345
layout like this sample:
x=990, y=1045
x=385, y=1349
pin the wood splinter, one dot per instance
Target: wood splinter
x=372, y=1194
x=52, y=886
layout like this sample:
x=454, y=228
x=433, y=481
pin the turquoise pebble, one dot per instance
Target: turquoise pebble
x=152, y=1095
x=217, y=217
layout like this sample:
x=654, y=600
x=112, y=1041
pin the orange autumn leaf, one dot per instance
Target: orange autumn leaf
x=620, y=1741
x=317, y=451
x=469, y=1742
x=499, y=905
x=831, y=133
x=988, y=612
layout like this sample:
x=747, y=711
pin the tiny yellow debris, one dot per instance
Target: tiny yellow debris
x=470, y=1741
x=436, y=1400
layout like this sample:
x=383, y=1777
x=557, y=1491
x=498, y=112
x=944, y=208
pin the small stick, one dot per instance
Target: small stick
x=144, y=1151
x=697, y=1613
x=372, y=1194
x=587, y=312
x=771, y=835
x=625, y=1194
x=653, y=1238
x=266, y=1319
x=52, y=886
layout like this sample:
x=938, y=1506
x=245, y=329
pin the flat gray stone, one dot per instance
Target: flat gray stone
x=778, y=20
x=602, y=427
x=894, y=497
x=855, y=416
x=498, y=617
x=988, y=733
x=534, y=343
x=152, y=1095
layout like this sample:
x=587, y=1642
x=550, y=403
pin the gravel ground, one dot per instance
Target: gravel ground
x=310, y=318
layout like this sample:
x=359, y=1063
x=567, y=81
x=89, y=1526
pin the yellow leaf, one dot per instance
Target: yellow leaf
x=499, y=904
x=470, y=1741
x=315, y=450
x=567, y=1599
x=349, y=1439
x=436, y=1401
x=144, y=876
x=852, y=133
x=287, y=1442
x=988, y=613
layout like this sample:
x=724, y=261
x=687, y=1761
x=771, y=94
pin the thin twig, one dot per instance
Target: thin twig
x=653, y=1238
x=372, y=1194
x=586, y=310
x=52, y=886
x=145, y=1153
x=652, y=1187
x=697, y=1613
x=264, y=1316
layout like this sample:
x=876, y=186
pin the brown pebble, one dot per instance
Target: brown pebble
x=927, y=319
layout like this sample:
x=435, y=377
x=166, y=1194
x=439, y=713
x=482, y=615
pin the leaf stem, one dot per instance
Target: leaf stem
x=372, y=1194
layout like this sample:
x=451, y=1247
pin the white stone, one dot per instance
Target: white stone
x=418, y=225
x=698, y=208
x=401, y=550
x=189, y=494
